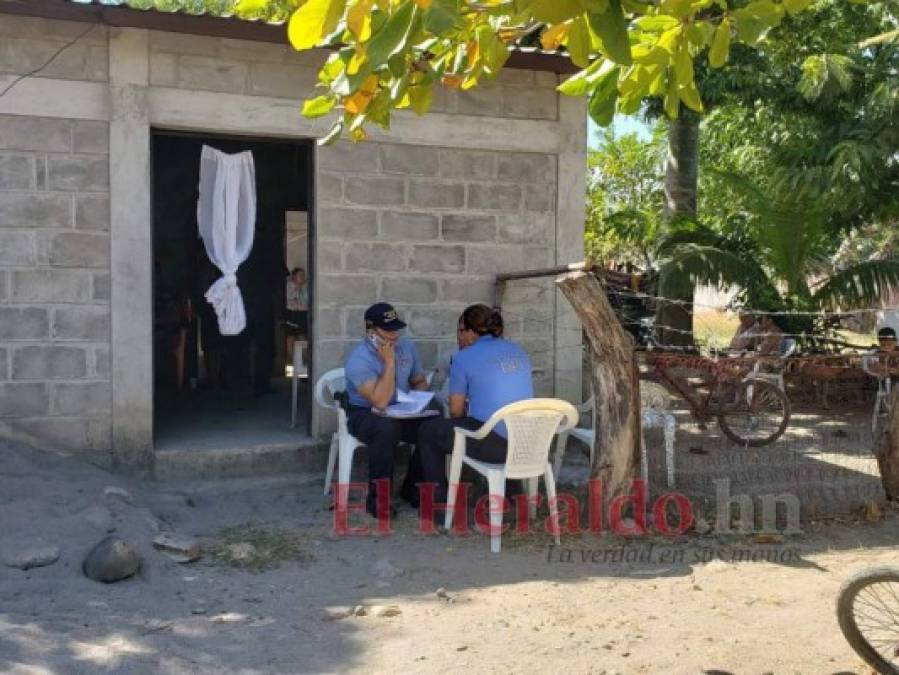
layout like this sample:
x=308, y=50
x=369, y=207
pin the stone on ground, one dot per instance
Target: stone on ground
x=179, y=548
x=111, y=560
x=28, y=556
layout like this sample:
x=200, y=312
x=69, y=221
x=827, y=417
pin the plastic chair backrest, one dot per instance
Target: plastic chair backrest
x=531, y=426
x=329, y=384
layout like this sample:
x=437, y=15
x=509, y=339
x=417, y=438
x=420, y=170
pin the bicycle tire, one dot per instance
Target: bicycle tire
x=762, y=391
x=846, y=616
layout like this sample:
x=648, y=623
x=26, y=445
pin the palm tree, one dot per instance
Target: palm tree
x=778, y=252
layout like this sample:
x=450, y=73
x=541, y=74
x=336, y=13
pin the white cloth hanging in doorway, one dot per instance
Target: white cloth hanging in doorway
x=226, y=215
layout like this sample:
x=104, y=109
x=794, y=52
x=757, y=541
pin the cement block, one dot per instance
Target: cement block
x=467, y=291
x=387, y=258
x=82, y=398
x=546, y=79
x=101, y=362
x=494, y=197
x=58, y=433
x=81, y=323
x=485, y=99
x=255, y=51
x=427, y=353
x=92, y=212
x=534, y=104
x=83, y=173
x=212, y=74
x=493, y=259
x=333, y=353
x=101, y=287
x=17, y=247
x=540, y=197
x=40, y=172
x=437, y=323
x=349, y=158
x=526, y=167
x=336, y=223
x=163, y=70
x=468, y=228
x=427, y=258
x=49, y=363
x=375, y=190
x=17, y=172
x=516, y=77
x=90, y=137
x=35, y=210
x=179, y=43
x=4, y=285
x=79, y=249
x=467, y=164
x=346, y=289
x=285, y=81
x=4, y=370
x=436, y=194
x=409, y=225
x=329, y=322
x=330, y=188
x=540, y=256
x=24, y=323
x=329, y=256
x=41, y=134
x=19, y=399
x=410, y=159
x=525, y=228
x=409, y=290
x=50, y=286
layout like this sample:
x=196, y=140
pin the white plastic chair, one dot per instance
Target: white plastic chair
x=654, y=414
x=884, y=389
x=299, y=370
x=531, y=426
x=343, y=443
x=774, y=363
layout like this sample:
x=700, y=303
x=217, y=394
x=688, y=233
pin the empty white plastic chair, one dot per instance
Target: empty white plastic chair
x=654, y=414
x=774, y=365
x=884, y=388
x=531, y=426
x=343, y=443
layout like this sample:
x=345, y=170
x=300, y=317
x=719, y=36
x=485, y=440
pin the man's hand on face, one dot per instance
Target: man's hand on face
x=387, y=352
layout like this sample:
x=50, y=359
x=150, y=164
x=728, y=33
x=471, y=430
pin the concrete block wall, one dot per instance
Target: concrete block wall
x=428, y=229
x=55, y=284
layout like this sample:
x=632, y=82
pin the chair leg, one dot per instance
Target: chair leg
x=670, y=430
x=453, y=476
x=496, y=481
x=344, y=466
x=332, y=459
x=293, y=395
x=644, y=462
x=551, y=499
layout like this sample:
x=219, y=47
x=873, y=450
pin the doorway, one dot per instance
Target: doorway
x=215, y=392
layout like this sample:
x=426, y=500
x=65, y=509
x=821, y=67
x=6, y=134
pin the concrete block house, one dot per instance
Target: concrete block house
x=99, y=149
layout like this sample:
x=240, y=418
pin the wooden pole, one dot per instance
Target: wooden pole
x=888, y=451
x=615, y=380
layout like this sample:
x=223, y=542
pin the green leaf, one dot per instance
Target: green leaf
x=604, y=97
x=796, y=6
x=555, y=11
x=441, y=16
x=579, y=43
x=720, y=49
x=756, y=18
x=611, y=31
x=581, y=82
x=656, y=24
x=391, y=39
x=672, y=98
x=421, y=97
x=598, y=6
x=318, y=106
x=689, y=94
x=250, y=8
x=313, y=22
x=683, y=66
x=333, y=134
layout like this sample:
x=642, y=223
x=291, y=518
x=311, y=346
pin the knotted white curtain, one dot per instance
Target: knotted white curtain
x=226, y=215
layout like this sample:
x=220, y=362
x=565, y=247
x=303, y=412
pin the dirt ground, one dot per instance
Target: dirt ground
x=424, y=603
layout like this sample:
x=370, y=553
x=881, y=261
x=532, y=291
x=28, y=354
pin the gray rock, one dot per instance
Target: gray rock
x=384, y=569
x=179, y=548
x=36, y=554
x=111, y=560
x=119, y=493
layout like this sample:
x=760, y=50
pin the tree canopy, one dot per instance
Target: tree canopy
x=390, y=54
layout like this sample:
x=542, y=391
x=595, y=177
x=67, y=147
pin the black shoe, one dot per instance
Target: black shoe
x=371, y=508
x=410, y=495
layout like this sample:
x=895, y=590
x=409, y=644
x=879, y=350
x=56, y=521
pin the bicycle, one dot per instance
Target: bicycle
x=868, y=614
x=750, y=410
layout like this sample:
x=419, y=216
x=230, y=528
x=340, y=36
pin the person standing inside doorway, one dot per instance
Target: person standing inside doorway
x=297, y=308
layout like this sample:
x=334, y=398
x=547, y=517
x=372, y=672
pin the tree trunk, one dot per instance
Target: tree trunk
x=615, y=380
x=888, y=452
x=681, y=177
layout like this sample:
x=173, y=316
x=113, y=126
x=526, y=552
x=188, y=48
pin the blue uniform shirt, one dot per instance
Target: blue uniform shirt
x=492, y=373
x=364, y=365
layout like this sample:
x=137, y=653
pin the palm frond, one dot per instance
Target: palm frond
x=693, y=264
x=862, y=284
x=826, y=76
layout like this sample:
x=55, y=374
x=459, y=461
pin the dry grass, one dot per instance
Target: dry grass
x=258, y=547
x=713, y=329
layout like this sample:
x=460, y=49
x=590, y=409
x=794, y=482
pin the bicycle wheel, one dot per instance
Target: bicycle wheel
x=754, y=413
x=868, y=613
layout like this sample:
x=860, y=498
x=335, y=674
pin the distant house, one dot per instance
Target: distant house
x=98, y=153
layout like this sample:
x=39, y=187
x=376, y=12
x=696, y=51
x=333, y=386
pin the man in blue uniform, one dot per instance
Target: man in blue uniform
x=488, y=373
x=383, y=363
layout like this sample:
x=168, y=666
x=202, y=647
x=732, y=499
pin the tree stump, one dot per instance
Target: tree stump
x=888, y=451
x=615, y=380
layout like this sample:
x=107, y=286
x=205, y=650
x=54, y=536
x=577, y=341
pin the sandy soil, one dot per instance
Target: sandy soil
x=684, y=607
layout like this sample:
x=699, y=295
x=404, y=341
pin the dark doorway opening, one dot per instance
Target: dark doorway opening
x=214, y=392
